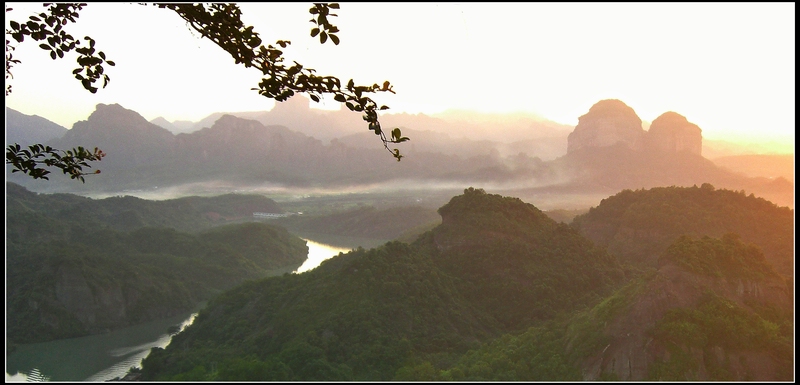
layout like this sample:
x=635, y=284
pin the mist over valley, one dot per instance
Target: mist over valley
x=499, y=248
x=296, y=150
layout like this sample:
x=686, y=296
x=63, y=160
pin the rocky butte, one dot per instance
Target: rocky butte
x=671, y=132
x=608, y=122
x=611, y=121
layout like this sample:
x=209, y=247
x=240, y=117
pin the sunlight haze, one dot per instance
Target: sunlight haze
x=727, y=67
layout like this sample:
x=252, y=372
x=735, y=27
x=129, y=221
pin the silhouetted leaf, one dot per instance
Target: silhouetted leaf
x=396, y=134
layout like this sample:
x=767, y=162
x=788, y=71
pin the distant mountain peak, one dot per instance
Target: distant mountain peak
x=29, y=129
x=114, y=114
x=176, y=127
x=672, y=132
x=123, y=134
x=608, y=122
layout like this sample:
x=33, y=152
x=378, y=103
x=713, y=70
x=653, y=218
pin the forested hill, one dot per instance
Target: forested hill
x=125, y=213
x=715, y=310
x=365, y=314
x=638, y=225
x=76, y=266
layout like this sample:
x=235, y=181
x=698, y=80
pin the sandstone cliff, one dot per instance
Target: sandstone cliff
x=608, y=122
x=672, y=133
x=694, y=324
x=611, y=122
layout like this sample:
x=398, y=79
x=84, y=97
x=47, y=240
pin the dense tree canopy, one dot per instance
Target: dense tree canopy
x=218, y=22
x=494, y=266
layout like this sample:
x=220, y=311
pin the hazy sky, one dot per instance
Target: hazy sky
x=729, y=68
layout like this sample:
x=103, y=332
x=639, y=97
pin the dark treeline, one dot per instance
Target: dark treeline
x=498, y=291
x=78, y=266
x=487, y=270
x=638, y=225
x=691, y=278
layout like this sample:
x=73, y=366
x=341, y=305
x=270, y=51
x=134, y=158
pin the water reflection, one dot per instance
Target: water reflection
x=318, y=252
x=93, y=358
x=103, y=357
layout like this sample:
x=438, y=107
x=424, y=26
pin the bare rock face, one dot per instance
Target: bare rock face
x=672, y=133
x=631, y=350
x=607, y=123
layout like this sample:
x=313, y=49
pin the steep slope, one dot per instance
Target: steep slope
x=638, y=225
x=608, y=151
x=713, y=311
x=126, y=137
x=671, y=133
x=608, y=122
x=503, y=246
x=362, y=315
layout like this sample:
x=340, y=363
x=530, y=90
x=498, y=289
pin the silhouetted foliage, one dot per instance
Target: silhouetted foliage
x=219, y=22
x=72, y=162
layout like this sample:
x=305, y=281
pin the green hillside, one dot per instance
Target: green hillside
x=638, y=225
x=73, y=268
x=125, y=213
x=366, y=314
x=714, y=311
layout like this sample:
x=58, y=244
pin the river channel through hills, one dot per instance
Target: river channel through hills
x=106, y=356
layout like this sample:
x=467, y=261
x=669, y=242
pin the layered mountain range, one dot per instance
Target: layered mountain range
x=606, y=152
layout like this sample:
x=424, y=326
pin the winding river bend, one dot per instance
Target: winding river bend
x=106, y=356
x=318, y=252
x=99, y=357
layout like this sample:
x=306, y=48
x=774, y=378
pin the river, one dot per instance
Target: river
x=98, y=357
x=318, y=252
x=106, y=356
